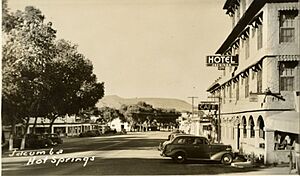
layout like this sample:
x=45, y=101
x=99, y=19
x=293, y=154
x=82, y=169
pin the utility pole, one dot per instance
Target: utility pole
x=219, y=117
x=193, y=104
x=192, y=97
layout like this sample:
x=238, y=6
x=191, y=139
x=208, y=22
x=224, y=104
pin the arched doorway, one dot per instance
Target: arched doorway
x=261, y=125
x=251, y=124
x=244, y=122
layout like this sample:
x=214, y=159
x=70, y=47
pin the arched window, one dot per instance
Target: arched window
x=244, y=127
x=252, y=131
x=261, y=126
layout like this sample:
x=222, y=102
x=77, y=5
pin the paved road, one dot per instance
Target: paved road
x=132, y=154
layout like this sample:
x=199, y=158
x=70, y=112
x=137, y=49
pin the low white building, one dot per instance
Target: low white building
x=118, y=125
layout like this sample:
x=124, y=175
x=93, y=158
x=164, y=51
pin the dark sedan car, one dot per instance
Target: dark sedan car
x=170, y=138
x=55, y=138
x=34, y=141
x=90, y=133
x=185, y=147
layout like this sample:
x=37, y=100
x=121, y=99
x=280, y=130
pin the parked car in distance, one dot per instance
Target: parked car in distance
x=110, y=131
x=56, y=139
x=90, y=133
x=189, y=147
x=34, y=141
x=170, y=138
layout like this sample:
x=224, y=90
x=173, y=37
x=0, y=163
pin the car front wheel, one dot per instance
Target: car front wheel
x=227, y=159
x=179, y=157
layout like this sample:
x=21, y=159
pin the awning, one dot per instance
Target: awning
x=288, y=57
x=286, y=121
x=294, y=7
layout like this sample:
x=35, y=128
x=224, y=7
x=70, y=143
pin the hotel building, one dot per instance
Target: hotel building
x=259, y=98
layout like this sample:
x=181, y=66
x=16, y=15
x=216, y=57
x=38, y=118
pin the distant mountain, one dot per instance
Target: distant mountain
x=115, y=101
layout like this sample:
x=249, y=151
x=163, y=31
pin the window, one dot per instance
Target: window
x=230, y=92
x=253, y=32
x=244, y=127
x=247, y=48
x=287, y=83
x=253, y=74
x=252, y=131
x=259, y=81
x=261, y=125
x=199, y=141
x=287, y=25
x=287, y=75
x=259, y=37
x=237, y=91
x=224, y=95
x=180, y=141
x=246, y=86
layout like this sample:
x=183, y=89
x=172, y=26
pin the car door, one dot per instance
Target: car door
x=190, y=147
x=201, y=148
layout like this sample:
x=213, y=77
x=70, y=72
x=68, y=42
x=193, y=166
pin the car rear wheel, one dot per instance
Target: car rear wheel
x=179, y=157
x=227, y=159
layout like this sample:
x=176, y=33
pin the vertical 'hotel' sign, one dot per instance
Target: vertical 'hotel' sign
x=222, y=61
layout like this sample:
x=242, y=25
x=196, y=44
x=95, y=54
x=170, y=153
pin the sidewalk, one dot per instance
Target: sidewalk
x=278, y=170
x=269, y=170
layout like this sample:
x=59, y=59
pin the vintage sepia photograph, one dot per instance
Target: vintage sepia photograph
x=150, y=87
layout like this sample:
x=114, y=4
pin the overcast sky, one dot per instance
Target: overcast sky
x=142, y=48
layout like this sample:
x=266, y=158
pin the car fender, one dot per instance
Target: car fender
x=219, y=155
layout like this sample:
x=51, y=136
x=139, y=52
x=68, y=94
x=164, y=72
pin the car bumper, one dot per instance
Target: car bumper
x=163, y=155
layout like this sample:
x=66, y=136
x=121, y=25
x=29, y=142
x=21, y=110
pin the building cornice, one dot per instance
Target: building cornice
x=257, y=110
x=245, y=20
x=252, y=10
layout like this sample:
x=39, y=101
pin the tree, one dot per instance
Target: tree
x=143, y=113
x=108, y=114
x=72, y=86
x=86, y=114
x=137, y=114
x=28, y=44
x=42, y=77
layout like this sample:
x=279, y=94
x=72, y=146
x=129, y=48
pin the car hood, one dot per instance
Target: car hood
x=163, y=145
x=220, y=146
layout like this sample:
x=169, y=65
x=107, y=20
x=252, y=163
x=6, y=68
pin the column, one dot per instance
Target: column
x=235, y=136
x=248, y=133
x=242, y=139
x=269, y=146
x=257, y=138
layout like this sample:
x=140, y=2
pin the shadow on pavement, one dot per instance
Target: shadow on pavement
x=130, y=166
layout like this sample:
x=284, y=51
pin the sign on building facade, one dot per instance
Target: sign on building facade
x=221, y=61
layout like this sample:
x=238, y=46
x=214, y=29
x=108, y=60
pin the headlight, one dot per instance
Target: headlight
x=229, y=148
